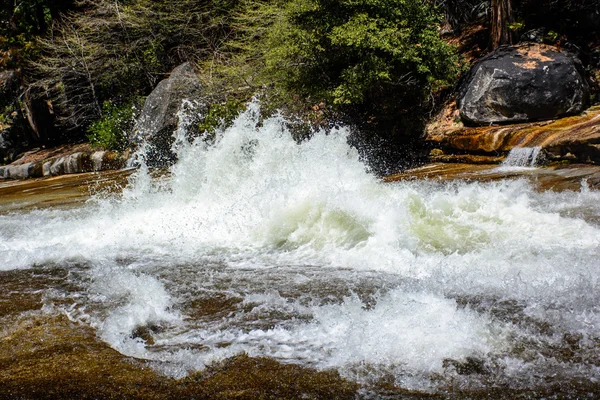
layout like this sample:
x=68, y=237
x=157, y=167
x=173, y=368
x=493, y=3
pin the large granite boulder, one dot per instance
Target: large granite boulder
x=531, y=82
x=158, y=119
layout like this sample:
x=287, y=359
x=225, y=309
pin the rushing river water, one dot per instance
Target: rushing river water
x=295, y=252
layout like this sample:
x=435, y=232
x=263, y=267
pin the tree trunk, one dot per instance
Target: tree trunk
x=501, y=18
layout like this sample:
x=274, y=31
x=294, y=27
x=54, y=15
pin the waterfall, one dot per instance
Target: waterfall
x=523, y=157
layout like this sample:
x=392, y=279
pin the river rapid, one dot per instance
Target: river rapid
x=296, y=252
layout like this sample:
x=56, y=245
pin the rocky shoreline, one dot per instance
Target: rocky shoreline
x=555, y=177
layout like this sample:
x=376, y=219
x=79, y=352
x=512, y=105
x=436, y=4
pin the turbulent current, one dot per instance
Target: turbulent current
x=257, y=244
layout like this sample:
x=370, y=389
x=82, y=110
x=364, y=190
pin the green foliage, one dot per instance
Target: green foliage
x=516, y=26
x=118, y=49
x=375, y=64
x=385, y=56
x=352, y=52
x=110, y=131
x=459, y=13
x=220, y=115
x=236, y=67
x=552, y=36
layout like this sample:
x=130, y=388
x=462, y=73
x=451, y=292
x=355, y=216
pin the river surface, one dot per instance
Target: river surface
x=296, y=252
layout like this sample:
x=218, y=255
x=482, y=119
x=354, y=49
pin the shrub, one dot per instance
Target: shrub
x=110, y=131
x=220, y=115
x=374, y=64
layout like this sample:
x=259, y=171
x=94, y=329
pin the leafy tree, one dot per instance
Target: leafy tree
x=375, y=64
x=352, y=52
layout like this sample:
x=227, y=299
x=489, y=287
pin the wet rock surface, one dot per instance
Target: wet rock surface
x=58, y=192
x=438, y=156
x=573, y=139
x=45, y=355
x=531, y=82
x=555, y=177
x=50, y=357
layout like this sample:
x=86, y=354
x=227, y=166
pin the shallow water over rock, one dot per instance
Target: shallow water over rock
x=292, y=257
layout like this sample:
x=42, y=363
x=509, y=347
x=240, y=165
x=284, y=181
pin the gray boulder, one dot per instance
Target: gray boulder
x=21, y=171
x=531, y=82
x=159, y=119
x=74, y=163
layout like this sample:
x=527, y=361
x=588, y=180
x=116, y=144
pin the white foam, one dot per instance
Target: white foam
x=258, y=201
x=521, y=158
x=141, y=301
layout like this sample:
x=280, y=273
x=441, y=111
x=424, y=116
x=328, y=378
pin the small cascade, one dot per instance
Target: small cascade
x=523, y=157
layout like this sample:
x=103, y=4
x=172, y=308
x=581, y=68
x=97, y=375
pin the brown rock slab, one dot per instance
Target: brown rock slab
x=573, y=138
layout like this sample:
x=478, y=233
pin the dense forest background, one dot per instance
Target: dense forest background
x=78, y=70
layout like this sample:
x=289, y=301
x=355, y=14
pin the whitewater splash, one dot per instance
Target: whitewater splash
x=258, y=244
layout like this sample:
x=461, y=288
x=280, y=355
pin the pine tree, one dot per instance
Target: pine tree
x=501, y=19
